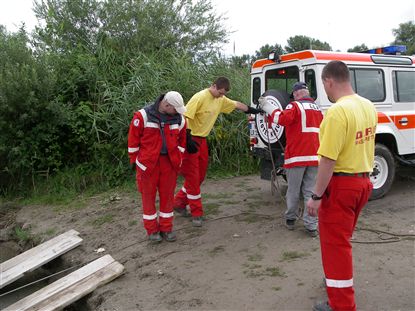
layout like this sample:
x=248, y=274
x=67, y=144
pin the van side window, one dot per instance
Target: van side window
x=403, y=86
x=369, y=83
x=310, y=79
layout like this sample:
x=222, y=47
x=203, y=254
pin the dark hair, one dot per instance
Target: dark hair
x=337, y=71
x=223, y=83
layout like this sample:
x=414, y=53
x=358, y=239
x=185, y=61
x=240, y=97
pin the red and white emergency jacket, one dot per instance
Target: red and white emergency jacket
x=145, y=139
x=301, y=120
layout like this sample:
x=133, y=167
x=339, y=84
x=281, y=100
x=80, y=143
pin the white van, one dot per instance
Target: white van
x=387, y=80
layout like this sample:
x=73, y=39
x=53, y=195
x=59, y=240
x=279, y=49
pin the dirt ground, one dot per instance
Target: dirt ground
x=243, y=258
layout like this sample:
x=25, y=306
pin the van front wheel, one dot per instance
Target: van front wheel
x=383, y=171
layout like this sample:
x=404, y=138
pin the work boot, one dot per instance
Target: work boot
x=290, y=223
x=155, y=237
x=169, y=236
x=182, y=211
x=197, y=221
x=312, y=233
x=322, y=306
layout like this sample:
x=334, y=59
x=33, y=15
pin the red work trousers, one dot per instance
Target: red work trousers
x=194, y=167
x=162, y=179
x=340, y=207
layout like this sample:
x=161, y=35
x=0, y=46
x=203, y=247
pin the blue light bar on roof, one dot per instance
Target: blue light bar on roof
x=387, y=50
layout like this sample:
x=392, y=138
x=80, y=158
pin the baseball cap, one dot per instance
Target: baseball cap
x=300, y=86
x=176, y=100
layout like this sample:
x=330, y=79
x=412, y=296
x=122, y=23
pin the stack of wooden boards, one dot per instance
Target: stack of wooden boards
x=66, y=290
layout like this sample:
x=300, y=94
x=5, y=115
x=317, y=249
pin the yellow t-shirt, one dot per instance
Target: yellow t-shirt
x=347, y=134
x=203, y=110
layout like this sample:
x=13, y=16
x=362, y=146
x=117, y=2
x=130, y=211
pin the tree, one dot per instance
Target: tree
x=265, y=49
x=241, y=61
x=140, y=25
x=358, y=48
x=299, y=43
x=405, y=35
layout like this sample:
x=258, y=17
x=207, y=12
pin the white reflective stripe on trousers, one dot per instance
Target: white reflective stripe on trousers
x=339, y=283
x=301, y=159
x=143, y=167
x=166, y=215
x=150, y=217
x=131, y=150
x=193, y=197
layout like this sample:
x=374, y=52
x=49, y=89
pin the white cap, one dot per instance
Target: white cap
x=176, y=100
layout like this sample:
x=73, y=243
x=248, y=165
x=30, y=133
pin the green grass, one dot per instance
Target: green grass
x=276, y=288
x=102, y=220
x=255, y=257
x=132, y=223
x=51, y=231
x=211, y=208
x=293, y=255
x=255, y=272
x=219, y=195
x=22, y=235
x=249, y=218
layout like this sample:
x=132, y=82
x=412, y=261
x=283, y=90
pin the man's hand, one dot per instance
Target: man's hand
x=191, y=145
x=265, y=105
x=312, y=207
x=253, y=110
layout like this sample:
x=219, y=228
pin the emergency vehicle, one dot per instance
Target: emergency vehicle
x=381, y=75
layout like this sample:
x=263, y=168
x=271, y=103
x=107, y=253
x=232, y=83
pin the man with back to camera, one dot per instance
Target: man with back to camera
x=343, y=187
x=301, y=119
x=202, y=111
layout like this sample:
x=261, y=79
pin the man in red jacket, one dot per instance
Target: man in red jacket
x=301, y=119
x=156, y=142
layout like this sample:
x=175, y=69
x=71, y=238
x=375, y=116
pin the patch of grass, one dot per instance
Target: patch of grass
x=255, y=257
x=219, y=195
x=22, y=235
x=231, y=202
x=249, y=218
x=132, y=223
x=276, y=288
x=269, y=271
x=211, y=208
x=216, y=250
x=51, y=231
x=251, y=265
x=293, y=255
x=300, y=284
x=102, y=220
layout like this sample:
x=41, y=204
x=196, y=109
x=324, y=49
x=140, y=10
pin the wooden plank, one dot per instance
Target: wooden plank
x=31, y=252
x=33, y=258
x=71, y=287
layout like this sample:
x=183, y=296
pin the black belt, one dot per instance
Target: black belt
x=362, y=175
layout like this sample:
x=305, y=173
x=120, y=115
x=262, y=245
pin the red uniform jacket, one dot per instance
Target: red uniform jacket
x=145, y=139
x=301, y=120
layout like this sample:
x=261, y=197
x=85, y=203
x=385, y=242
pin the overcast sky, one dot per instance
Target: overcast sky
x=254, y=23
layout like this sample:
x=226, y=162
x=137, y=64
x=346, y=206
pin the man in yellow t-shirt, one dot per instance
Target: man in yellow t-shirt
x=202, y=111
x=343, y=187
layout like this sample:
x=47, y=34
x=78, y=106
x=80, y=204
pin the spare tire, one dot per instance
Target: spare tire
x=280, y=100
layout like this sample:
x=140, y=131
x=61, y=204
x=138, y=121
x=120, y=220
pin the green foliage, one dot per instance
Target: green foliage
x=358, y=48
x=265, y=49
x=405, y=35
x=299, y=43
